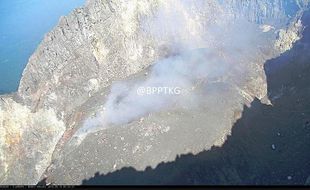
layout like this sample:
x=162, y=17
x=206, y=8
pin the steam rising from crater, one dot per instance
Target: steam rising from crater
x=204, y=51
x=185, y=71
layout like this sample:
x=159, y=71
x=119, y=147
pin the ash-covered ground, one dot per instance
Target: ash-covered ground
x=79, y=111
x=269, y=144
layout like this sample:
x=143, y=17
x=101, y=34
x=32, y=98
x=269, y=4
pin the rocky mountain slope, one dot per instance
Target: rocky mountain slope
x=269, y=145
x=68, y=80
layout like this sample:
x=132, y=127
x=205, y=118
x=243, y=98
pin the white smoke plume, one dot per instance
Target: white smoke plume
x=202, y=55
x=173, y=79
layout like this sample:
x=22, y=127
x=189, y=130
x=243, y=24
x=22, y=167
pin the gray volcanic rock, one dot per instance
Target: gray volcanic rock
x=27, y=141
x=68, y=78
x=103, y=42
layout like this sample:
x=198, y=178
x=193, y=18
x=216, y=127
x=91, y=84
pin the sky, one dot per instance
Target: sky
x=23, y=24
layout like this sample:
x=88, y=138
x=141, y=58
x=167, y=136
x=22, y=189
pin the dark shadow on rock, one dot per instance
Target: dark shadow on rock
x=268, y=145
x=42, y=183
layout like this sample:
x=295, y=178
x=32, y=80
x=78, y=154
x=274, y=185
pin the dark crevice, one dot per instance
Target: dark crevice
x=269, y=145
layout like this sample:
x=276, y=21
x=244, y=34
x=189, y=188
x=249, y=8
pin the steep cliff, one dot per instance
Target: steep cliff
x=69, y=74
x=103, y=42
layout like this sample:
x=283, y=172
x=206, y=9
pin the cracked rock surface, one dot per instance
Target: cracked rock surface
x=69, y=76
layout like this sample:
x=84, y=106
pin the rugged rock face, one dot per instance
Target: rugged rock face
x=27, y=141
x=289, y=36
x=68, y=77
x=269, y=145
x=103, y=42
